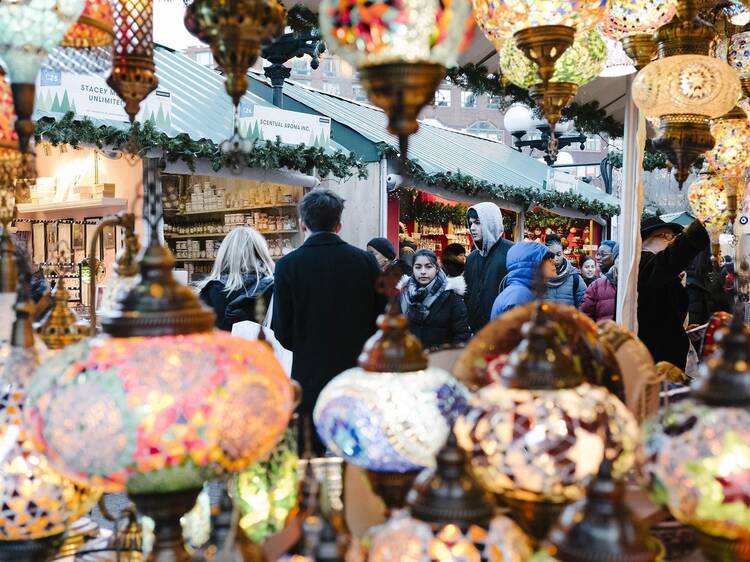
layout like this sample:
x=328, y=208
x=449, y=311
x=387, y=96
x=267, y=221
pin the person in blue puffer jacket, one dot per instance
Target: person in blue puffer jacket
x=524, y=261
x=566, y=286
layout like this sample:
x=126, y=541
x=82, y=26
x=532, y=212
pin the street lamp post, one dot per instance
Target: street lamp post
x=285, y=48
x=519, y=121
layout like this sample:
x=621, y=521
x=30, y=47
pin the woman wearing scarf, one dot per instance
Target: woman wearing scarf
x=567, y=287
x=434, y=304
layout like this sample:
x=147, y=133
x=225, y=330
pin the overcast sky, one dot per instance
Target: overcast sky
x=169, y=29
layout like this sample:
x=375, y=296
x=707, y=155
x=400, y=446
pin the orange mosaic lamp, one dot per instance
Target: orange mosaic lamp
x=94, y=27
x=8, y=136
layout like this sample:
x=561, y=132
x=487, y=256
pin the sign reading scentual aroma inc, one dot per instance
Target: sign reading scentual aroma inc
x=268, y=123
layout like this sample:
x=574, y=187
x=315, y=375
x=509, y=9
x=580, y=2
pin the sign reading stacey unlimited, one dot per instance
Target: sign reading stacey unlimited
x=268, y=123
x=89, y=95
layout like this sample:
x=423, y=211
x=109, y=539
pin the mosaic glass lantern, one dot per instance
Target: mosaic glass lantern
x=709, y=202
x=730, y=156
x=705, y=469
x=8, y=135
x=538, y=434
x=396, y=48
x=633, y=22
x=28, y=30
x=738, y=56
x=94, y=27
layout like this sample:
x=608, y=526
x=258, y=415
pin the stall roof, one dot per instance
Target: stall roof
x=435, y=148
x=200, y=105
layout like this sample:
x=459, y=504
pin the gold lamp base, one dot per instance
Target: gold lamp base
x=745, y=82
x=641, y=48
x=392, y=487
x=552, y=98
x=719, y=549
x=402, y=89
x=682, y=139
x=543, y=45
x=535, y=518
x=133, y=78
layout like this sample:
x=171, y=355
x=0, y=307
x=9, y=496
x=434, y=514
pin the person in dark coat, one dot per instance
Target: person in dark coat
x=662, y=300
x=453, y=260
x=705, y=288
x=434, y=304
x=382, y=250
x=486, y=265
x=524, y=263
x=600, y=300
x=325, y=302
x=242, y=273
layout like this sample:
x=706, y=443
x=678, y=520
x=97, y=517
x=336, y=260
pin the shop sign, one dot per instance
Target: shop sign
x=89, y=95
x=258, y=122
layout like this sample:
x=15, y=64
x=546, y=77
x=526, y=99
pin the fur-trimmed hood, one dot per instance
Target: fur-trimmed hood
x=455, y=284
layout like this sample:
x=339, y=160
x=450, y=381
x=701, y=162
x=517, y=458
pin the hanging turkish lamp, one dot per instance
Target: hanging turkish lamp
x=94, y=27
x=235, y=30
x=400, y=50
x=61, y=327
x=710, y=202
x=536, y=436
x=9, y=153
x=633, y=23
x=103, y=414
x=8, y=268
x=738, y=57
x=602, y=527
x=390, y=414
x=705, y=466
x=28, y=30
x=578, y=65
x=133, y=70
x=684, y=88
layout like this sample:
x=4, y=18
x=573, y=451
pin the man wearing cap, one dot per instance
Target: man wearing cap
x=662, y=300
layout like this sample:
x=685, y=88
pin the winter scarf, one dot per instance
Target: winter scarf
x=565, y=270
x=416, y=301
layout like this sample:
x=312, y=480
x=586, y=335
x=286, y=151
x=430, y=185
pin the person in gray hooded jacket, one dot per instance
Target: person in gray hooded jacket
x=485, y=266
x=567, y=287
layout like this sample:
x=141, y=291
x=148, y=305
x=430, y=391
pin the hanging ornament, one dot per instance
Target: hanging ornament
x=235, y=31
x=401, y=51
x=578, y=65
x=28, y=30
x=633, y=23
x=94, y=27
x=710, y=202
x=738, y=56
x=684, y=88
x=133, y=70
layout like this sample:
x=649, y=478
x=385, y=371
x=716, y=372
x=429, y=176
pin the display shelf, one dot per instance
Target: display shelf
x=234, y=210
x=30, y=208
x=222, y=235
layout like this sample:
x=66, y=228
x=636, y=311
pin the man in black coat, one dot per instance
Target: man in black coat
x=325, y=304
x=662, y=299
x=485, y=266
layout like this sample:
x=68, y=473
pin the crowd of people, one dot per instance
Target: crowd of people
x=324, y=303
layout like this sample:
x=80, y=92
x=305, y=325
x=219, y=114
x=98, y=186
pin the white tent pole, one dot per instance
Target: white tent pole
x=631, y=208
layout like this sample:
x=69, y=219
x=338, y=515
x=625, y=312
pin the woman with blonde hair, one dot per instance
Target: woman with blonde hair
x=242, y=273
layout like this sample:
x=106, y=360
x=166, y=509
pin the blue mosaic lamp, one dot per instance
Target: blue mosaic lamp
x=391, y=414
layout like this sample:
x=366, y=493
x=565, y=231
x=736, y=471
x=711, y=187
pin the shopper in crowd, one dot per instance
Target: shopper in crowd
x=453, y=260
x=486, y=265
x=406, y=249
x=567, y=286
x=705, y=288
x=606, y=255
x=588, y=270
x=600, y=300
x=382, y=250
x=325, y=302
x=667, y=251
x=527, y=261
x=727, y=273
x=434, y=303
x=242, y=273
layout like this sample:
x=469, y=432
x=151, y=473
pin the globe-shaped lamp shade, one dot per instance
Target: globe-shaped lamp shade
x=705, y=472
x=708, y=201
x=29, y=29
x=686, y=84
x=617, y=63
x=579, y=64
x=503, y=18
x=408, y=31
x=542, y=445
x=730, y=155
x=159, y=414
x=738, y=53
x=388, y=422
x=404, y=539
x=635, y=17
x=8, y=136
x=93, y=28
x=518, y=118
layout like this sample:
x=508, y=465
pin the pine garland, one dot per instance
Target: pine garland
x=413, y=208
x=523, y=196
x=140, y=138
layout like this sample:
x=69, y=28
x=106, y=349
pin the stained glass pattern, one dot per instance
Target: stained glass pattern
x=730, y=155
x=93, y=28
x=738, y=53
x=631, y=17
x=707, y=197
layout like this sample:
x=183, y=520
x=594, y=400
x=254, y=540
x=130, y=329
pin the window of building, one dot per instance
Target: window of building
x=485, y=129
x=301, y=66
x=358, y=93
x=330, y=67
x=468, y=100
x=493, y=102
x=443, y=98
x=205, y=58
x=332, y=88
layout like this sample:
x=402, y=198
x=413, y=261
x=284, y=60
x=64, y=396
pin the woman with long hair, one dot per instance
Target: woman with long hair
x=242, y=272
